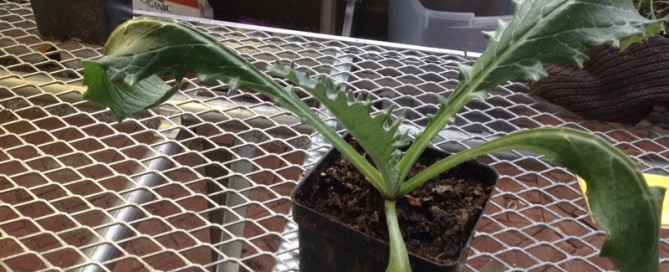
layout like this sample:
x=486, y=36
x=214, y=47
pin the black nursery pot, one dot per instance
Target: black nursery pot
x=88, y=20
x=329, y=245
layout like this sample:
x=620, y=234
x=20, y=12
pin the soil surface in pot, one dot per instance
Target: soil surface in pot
x=435, y=219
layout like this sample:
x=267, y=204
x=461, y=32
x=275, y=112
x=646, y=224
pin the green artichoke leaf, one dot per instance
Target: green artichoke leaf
x=618, y=195
x=377, y=134
x=540, y=32
x=552, y=31
x=150, y=48
x=123, y=99
x=139, y=53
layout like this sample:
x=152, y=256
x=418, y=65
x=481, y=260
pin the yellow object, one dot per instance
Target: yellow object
x=652, y=180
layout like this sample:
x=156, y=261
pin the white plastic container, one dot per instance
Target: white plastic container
x=190, y=8
x=450, y=24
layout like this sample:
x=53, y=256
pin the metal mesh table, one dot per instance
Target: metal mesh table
x=202, y=182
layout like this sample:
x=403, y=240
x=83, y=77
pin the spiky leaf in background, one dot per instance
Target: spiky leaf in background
x=377, y=134
x=541, y=31
x=552, y=31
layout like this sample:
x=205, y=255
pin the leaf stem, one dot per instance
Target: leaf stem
x=399, y=257
x=308, y=116
x=458, y=100
x=470, y=80
x=447, y=163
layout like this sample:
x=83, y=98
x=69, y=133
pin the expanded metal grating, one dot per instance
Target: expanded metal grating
x=202, y=183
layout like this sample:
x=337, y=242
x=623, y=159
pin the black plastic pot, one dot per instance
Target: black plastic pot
x=329, y=245
x=88, y=20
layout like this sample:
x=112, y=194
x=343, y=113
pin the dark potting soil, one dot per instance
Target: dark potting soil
x=435, y=219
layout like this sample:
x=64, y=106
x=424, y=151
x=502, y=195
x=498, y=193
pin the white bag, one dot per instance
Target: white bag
x=192, y=8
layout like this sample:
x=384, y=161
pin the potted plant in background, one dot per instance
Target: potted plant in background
x=128, y=80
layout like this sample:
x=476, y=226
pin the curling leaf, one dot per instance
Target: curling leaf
x=122, y=98
x=127, y=79
x=618, y=196
x=378, y=134
x=147, y=47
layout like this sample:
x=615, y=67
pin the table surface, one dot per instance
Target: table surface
x=202, y=182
